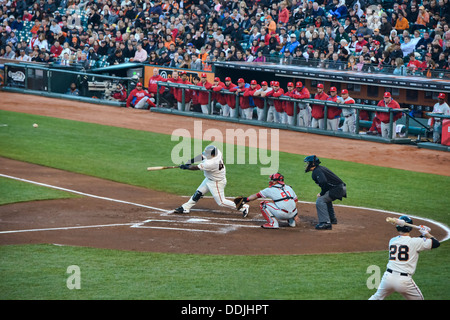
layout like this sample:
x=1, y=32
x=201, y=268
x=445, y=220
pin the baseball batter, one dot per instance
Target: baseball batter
x=283, y=205
x=403, y=256
x=215, y=181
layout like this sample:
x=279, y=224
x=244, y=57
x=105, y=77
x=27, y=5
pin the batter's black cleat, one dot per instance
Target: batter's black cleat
x=333, y=221
x=180, y=210
x=323, y=226
x=246, y=211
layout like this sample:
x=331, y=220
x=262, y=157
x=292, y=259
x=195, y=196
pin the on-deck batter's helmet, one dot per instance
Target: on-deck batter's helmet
x=311, y=161
x=405, y=228
x=209, y=152
x=276, y=178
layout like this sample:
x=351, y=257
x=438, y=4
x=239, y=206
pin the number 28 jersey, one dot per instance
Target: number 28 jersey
x=404, y=253
x=214, y=168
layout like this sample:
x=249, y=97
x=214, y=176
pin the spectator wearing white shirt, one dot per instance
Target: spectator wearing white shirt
x=407, y=46
x=23, y=56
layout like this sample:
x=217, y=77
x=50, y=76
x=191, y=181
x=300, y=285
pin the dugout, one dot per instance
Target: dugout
x=418, y=94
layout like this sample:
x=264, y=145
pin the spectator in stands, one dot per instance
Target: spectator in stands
x=23, y=56
x=196, y=63
x=9, y=53
x=402, y=23
x=56, y=49
x=116, y=58
x=407, y=46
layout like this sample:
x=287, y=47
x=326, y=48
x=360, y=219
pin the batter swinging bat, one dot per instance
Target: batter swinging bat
x=161, y=168
x=193, y=160
x=400, y=222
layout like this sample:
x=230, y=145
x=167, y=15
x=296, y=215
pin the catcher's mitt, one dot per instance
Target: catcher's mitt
x=239, y=202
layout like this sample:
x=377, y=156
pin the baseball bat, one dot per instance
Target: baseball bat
x=161, y=168
x=400, y=222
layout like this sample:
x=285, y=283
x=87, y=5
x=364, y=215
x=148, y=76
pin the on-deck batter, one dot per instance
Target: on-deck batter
x=403, y=256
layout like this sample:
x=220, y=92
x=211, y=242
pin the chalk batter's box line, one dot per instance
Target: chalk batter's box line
x=160, y=212
x=164, y=212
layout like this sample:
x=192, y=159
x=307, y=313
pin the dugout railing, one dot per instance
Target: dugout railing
x=165, y=106
x=55, y=82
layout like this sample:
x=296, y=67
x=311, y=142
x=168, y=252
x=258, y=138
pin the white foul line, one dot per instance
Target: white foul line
x=82, y=193
x=69, y=228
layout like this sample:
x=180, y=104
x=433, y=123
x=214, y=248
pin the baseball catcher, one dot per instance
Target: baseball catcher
x=282, y=207
x=332, y=188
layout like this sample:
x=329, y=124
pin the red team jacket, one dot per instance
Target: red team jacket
x=178, y=92
x=333, y=112
x=257, y=101
x=316, y=109
x=230, y=99
x=136, y=95
x=217, y=96
x=384, y=116
x=203, y=96
x=244, y=102
x=279, y=105
x=152, y=86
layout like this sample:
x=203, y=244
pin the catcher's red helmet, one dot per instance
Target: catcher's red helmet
x=276, y=178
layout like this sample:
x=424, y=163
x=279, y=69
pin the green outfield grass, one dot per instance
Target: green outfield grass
x=38, y=272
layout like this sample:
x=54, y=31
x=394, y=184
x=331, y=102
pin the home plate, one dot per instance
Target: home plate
x=197, y=220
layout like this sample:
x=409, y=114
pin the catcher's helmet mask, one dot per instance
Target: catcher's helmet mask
x=310, y=162
x=276, y=178
x=405, y=228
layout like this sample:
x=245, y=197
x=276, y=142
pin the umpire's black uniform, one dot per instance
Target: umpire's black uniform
x=332, y=188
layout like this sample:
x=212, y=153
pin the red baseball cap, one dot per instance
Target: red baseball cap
x=276, y=84
x=217, y=79
x=272, y=82
x=264, y=83
x=320, y=85
x=333, y=89
x=204, y=75
x=290, y=84
x=227, y=79
x=387, y=94
x=138, y=84
x=241, y=80
x=183, y=72
x=253, y=82
x=344, y=91
x=441, y=96
x=299, y=84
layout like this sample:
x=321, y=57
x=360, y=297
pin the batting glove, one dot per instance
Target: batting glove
x=424, y=229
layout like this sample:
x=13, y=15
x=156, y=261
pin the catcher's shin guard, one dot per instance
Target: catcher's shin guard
x=272, y=223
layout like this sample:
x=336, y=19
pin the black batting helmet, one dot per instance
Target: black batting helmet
x=405, y=228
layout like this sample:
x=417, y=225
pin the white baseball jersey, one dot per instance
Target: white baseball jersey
x=404, y=253
x=281, y=195
x=214, y=168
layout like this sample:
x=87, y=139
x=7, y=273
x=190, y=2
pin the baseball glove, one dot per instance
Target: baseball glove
x=239, y=202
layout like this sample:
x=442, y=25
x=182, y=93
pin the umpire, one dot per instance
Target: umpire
x=332, y=188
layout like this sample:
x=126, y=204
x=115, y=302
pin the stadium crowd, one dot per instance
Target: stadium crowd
x=396, y=36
